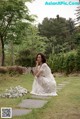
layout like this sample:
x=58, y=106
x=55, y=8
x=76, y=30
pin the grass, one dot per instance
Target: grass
x=7, y=81
x=65, y=106
x=24, y=80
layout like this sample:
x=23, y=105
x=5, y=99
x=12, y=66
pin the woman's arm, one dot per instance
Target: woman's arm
x=42, y=69
x=38, y=73
x=36, y=69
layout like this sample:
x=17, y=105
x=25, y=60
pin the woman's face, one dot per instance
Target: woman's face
x=39, y=59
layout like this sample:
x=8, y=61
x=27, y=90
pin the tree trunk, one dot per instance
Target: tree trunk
x=0, y=52
x=3, y=55
x=12, y=53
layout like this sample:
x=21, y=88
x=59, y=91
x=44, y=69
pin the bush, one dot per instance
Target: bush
x=67, y=63
x=13, y=70
x=25, y=59
x=78, y=59
x=56, y=62
x=16, y=69
x=52, y=62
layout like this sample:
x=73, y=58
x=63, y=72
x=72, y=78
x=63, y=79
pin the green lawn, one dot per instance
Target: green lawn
x=7, y=81
x=65, y=106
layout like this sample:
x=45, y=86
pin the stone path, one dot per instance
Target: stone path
x=61, y=86
x=32, y=103
x=20, y=112
x=27, y=105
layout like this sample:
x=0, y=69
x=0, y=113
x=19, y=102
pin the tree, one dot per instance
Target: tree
x=17, y=34
x=78, y=59
x=32, y=45
x=77, y=20
x=58, y=32
x=11, y=13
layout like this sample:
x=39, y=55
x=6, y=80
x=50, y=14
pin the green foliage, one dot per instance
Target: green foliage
x=59, y=32
x=78, y=59
x=56, y=62
x=68, y=63
x=13, y=14
x=21, y=40
x=78, y=15
x=31, y=45
x=25, y=58
x=77, y=38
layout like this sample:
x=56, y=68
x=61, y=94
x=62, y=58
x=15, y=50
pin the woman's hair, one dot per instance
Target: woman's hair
x=42, y=56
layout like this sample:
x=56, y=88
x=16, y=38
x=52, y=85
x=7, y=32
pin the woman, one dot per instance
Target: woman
x=44, y=83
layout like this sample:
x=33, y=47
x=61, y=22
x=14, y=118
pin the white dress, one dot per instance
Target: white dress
x=45, y=84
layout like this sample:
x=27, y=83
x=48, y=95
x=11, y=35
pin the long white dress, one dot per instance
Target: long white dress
x=45, y=84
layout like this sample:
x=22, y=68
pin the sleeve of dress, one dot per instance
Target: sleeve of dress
x=43, y=67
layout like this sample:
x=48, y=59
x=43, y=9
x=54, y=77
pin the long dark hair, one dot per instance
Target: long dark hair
x=42, y=56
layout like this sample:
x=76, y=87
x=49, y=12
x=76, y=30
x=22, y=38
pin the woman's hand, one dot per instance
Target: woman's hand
x=36, y=69
x=38, y=73
x=37, y=63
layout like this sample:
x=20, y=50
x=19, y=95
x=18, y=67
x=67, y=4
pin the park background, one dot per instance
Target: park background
x=22, y=36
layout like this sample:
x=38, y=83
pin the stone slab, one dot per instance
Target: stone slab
x=20, y=112
x=60, y=87
x=65, y=83
x=32, y=103
x=61, y=84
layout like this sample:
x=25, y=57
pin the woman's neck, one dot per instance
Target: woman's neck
x=40, y=63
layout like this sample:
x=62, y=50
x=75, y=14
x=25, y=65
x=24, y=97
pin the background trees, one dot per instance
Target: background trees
x=59, y=32
x=63, y=40
x=20, y=40
x=32, y=45
x=11, y=14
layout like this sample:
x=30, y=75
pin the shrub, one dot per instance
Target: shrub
x=64, y=62
x=16, y=70
x=25, y=59
x=78, y=59
x=69, y=63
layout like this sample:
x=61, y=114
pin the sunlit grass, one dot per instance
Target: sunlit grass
x=65, y=106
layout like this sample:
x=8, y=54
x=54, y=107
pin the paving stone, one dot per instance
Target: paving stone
x=32, y=103
x=20, y=112
x=61, y=84
x=60, y=87
x=65, y=82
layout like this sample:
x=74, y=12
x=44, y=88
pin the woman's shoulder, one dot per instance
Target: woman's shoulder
x=44, y=64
